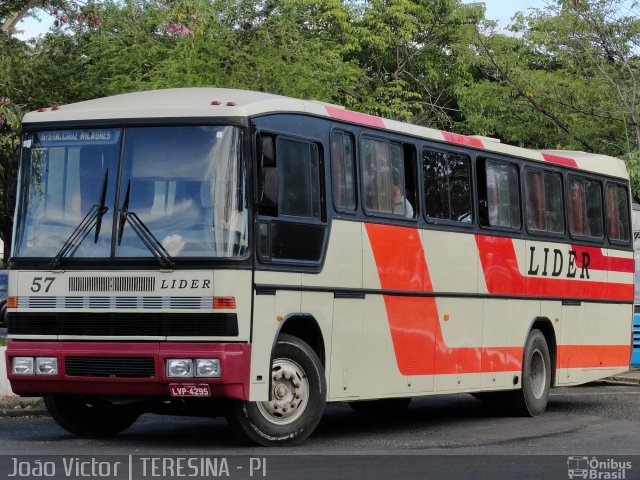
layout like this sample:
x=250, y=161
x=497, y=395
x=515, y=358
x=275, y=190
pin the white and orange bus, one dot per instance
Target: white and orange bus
x=212, y=251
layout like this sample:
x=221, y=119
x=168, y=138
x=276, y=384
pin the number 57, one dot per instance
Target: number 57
x=39, y=282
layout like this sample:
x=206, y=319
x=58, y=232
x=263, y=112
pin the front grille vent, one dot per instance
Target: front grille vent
x=117, y=302
x=112, y=284
x=114, y=324
x=118, y=367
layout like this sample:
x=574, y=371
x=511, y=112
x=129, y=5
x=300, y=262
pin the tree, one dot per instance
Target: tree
x=572, y=71
x=412, y=52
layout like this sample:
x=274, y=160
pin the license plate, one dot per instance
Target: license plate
x=182, y=390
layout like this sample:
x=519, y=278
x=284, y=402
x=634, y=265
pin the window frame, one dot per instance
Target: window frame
x=611, y=240
x=472, y=190
x=321, y=187
x=404, y=146
x=588, y=238
x=355, y=155
x=499, y=161
x=525, y=191
x=264, y=220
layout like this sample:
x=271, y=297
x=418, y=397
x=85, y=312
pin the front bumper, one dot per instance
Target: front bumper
x=235, y=361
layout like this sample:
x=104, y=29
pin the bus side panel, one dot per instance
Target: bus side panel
x=340, y=315
x=605, y=348
x=385, y=374
x=267, y=308
x=236, y=284
x=346, y=366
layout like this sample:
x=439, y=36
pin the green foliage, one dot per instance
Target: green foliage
x=632, y=159
x=572, y=73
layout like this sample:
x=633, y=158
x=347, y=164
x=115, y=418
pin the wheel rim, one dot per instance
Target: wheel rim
x=538, y=374
x=289, y=393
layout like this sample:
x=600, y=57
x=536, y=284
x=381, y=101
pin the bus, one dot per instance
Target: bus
x=212, y=252
x=635, y=355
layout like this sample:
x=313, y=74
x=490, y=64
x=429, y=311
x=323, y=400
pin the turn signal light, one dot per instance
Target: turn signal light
x=12, y=302
x=224, y=303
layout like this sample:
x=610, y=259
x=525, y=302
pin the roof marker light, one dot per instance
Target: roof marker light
x=41, y=109
x=231, y=104
x=216, y=102
x=55, y=107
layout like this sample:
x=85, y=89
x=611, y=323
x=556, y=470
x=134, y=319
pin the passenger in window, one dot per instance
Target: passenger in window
x=401, y=206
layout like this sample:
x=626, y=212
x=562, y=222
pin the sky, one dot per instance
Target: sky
x=501, y=10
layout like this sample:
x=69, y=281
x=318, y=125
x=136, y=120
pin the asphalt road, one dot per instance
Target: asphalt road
x=3, y=332
x=452, y=436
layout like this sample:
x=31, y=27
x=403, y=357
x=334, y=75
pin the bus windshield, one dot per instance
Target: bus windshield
x=185, y=184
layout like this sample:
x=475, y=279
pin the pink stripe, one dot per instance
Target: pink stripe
x=564, y=161
x=355, y=117
x=462, y=139
x=600, y=262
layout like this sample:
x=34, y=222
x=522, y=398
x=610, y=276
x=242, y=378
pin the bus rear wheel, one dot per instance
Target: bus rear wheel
x=531, y=400
x=88, y=417
x=298, y=397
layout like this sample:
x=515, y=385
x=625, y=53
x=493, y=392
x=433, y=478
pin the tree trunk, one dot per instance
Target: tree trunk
x=13, y=19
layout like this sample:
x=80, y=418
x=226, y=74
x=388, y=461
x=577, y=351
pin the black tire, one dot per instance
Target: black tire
x=287, y=419
x=3, y=316
x=88, y=418
x=531, y=400
x=386, y=406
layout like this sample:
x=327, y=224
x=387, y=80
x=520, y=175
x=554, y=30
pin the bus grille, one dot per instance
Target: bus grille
x=129, y=367
x=112, y=284
x=124, y=324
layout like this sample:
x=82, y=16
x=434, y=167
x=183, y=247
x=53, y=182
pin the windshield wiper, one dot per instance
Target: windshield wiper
x=141, y=230
x=91, y=219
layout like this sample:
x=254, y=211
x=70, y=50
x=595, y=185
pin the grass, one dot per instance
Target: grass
x=3, y=341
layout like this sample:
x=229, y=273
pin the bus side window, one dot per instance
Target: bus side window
x=543, y=191
x=617, y=205
x=343, y=170
x=584, y=206
x=499, y=195
x=447, y=184
x=292, y=224
x=388, y=177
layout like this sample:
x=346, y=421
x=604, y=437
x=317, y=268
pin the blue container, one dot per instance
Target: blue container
x=635, y=356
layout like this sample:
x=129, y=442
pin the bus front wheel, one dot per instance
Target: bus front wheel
x=88, y=417
x=298, y=396
x=531, y=400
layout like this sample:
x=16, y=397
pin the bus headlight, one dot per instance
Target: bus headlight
x=22, y=365
x=208, y=367
x=179, y=367
x=46, y=366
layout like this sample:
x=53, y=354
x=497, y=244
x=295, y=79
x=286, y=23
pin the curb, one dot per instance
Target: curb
x=624, y=380
x=23, y=412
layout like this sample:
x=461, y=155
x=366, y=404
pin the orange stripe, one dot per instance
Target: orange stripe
x=414, y=323
x=503, y=277
x=593, y=356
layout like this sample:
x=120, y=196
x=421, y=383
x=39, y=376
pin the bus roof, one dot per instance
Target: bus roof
x=221, y=102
